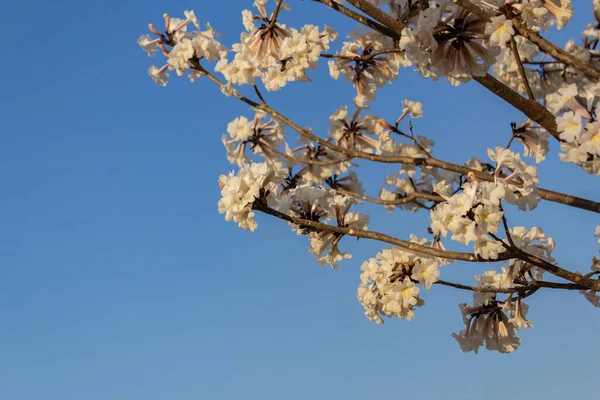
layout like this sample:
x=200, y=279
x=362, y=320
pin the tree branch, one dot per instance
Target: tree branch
x=359, y=233
x=515, y=50
x=510, y=253
x=403, y=200
x=520, y=289
x=531, y=108
x=359, y=18
x=379, y=15
x=549, y=195
x=547, y=47
x=362, y=58
x=589, y=70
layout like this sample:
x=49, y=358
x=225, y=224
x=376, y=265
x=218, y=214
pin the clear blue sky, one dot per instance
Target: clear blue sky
x=120, y=280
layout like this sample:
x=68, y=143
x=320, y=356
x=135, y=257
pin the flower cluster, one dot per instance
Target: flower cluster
x=518, y=178
x=533, y=242
x=490, y=321
x=390, y=282
x=239, y=191
x=262, y=135
x=187, y=47
x=274, y=53
x=471, y=215
x=593, y=296
x=368, y=60
x=318, y=204
x=578, y=127
x=358, y=133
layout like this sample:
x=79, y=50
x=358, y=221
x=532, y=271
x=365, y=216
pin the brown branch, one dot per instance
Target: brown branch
x=359, y=18
x=549, y=48
x=403, y=200
x=523, y=288
x=510, y=253
x=473, y=9
x=531, y=108
x=361, y=58
x=275, y=15
x=379, y=15
x=544, y=45
x=557, y=271
x=549, y=195
x=478, y=289
x=359, y=233
x=301, y=161
x=515, y=50
x=260, y=96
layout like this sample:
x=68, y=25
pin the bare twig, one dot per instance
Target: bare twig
x=520, y=289
x=515, y=50
x=359, y=18
x=260, y=96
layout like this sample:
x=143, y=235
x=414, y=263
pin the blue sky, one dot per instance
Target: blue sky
x=120, y=280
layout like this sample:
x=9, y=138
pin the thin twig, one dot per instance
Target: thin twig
x=520, y=289
x=260, y=96
x=275, y=15
x=403, y=200
x=366, y=58
x=515, y=50
x=378, y=15
x=359, y=18
x=304, y=161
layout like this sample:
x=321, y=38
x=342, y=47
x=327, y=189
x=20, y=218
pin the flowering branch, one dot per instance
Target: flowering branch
x=532, y=109
x=537, y=39
x=459, y=42
x=381, y=237
x=520, y=289
x=510, y=253
x=545, y=194
x=366, y=58
x=547, y=47
x=306, y=161
x=403, y=200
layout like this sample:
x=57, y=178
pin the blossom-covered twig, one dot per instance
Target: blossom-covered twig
x=545, y=194
x=403, y=200
x=362, y=58
x=381, y=237
x=544, y=45
x=519, y=289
